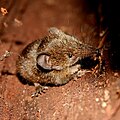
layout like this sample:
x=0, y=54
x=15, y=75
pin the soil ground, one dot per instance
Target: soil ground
x=88, y=98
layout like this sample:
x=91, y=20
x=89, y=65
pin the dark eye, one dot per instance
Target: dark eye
x=70, y=55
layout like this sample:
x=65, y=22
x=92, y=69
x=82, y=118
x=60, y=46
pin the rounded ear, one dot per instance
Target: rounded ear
x=44, y=62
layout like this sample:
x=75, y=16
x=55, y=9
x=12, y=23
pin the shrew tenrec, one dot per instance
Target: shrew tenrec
x=53, y=59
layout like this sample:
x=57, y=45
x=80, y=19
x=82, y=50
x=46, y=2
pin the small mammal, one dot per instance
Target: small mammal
x=52, y=60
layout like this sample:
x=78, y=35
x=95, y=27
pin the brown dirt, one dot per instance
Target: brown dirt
x=88, y=98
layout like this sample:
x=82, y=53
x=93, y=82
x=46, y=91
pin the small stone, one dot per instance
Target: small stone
x=97, y=99
x=104, y=104
x=116, y=74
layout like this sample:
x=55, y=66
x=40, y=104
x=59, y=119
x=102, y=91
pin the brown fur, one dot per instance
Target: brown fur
x=64, y=52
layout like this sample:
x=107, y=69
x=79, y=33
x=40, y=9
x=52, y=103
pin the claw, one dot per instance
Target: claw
x=39, y=89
